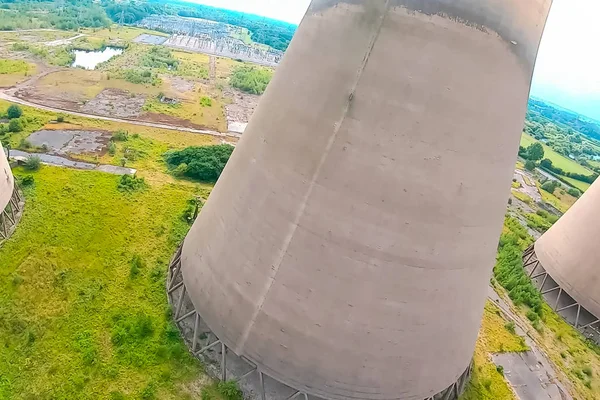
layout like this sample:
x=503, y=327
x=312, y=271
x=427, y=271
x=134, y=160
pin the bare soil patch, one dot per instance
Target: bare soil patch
x=181, y=85
x=115, y=103
x=241, y=108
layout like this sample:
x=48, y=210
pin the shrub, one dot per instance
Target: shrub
x=32, y=163
x=131, y=183
x=204, y=163
x=15, y=125
x=252, y=80
x=112, y=148
x=14, y=111
x=25, y=144
x=120, y=136
x=510, y=326
x=136, y=266
x=27, y=180
x=529, y=165
x=588, y=371
x=60, y=118
x=550, y=186
x=500, y=369
x=206, y=101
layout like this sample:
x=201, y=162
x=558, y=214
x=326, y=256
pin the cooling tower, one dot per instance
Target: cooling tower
x=564, y=264
x=346, y=251
x=11, y=202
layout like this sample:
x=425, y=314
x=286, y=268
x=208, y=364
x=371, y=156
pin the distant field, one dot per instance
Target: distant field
x=124, y=33
x=558, y=160
x=578, y=184
x=15, y=71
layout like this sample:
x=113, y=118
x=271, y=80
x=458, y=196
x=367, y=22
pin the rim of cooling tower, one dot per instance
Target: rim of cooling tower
x=222, y=363
x=559, y=299
x=11, y=215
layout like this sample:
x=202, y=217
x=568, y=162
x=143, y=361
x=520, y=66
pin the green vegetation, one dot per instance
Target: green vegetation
x=65, y=14
x=14, y=111
x=494, y=337
x=509, y=270
x=222, y=391
x=131, y=183
x=251, y=79
x=523, y=197
x=557, y=159
x=144, y=77
x=202, y=163
x=57, y=55
x=14, y=67
x=32, y=163
x=75, y=321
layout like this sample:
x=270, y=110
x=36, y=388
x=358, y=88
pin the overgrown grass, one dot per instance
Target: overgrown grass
x=525, y=198
x=75, y=322
x=251, y=79
x=509, y=267
x=486, y=383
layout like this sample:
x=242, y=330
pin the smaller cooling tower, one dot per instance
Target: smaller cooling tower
x=11, y=202
x=565, y=264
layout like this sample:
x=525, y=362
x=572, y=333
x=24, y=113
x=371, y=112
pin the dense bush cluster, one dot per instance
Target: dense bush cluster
x=252, y=80
x=509, y=271
x=203, y=163
x=68, y=15
x=131, y=183
x=159, y=57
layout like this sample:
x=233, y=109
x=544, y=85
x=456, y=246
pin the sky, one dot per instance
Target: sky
x=568, y=66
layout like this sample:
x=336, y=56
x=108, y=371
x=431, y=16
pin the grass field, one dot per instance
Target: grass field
x=562, y=201
x=83, y=309
x=525, y=198
x=487, y=383
x=15, y=71
x=558, y=160
x=582, y=186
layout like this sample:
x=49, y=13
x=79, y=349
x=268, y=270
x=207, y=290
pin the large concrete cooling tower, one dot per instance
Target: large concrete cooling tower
x=565, y=264
x=347, y=248
x=11, y=202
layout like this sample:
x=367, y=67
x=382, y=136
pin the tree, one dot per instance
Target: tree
x=574, y=192
x=545, y=163
x=529, y=165
x=203, y=163
x=14, y=111
x=550, y=186
x=535, y=152
x=15, y=125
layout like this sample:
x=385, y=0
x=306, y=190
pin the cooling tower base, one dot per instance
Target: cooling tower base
x=223, y=364
x=559, y=300
x=11, y=215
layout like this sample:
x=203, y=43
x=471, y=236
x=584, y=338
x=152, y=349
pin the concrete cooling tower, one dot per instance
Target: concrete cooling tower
x=11, y=202
x=346, y=251
x=565, y=264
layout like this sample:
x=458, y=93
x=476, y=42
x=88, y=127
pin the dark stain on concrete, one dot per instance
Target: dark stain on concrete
x=484, y=15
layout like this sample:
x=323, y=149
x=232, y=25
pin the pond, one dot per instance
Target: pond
x=90, y=59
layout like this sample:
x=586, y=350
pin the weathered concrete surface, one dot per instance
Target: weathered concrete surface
x=527, y=377
x=6, y=180
x=71, y=141
x=531, y=374
x=570, y=254
x=362, y=207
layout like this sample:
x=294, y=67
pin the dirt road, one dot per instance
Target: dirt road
x=8, y=97
x=61, y=42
